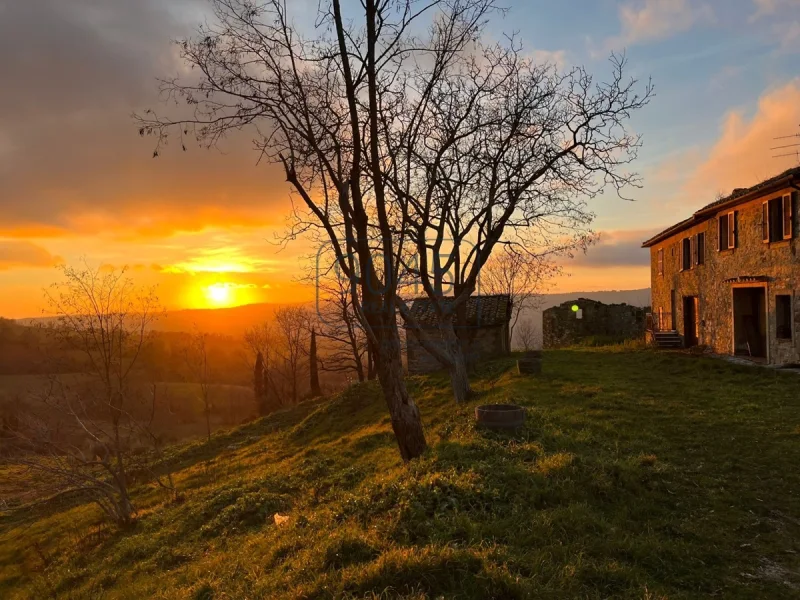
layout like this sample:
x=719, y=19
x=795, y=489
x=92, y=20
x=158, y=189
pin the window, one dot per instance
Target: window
x=727, y=231
x=700, y=249
x=776, y=219
x=686, y=254
x=783, y=314
x=660, y=259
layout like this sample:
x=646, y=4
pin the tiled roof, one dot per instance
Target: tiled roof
x=739, y=192
x=733, y=198
x=482, y=311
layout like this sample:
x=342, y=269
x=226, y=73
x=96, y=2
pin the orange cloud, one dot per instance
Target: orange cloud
x=656, y=20
x=20, y=253
x=742, y=156
x=32, y=230
x=765, y=8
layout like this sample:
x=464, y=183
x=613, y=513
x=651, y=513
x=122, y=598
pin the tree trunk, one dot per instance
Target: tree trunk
x=207, y=412
x=454, y=348
x=404, y=413
x=125, y=508
x=370, y=364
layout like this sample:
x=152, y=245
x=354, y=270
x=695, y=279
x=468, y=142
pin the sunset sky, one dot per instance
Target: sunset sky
x=76, y=180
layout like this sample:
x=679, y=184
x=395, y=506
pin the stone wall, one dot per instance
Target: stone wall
x=562, y=327
x=481, y=343
x=713, y=282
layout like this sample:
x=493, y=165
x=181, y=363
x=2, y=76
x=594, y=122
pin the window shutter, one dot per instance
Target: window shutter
x=701, y=248
x=719, y=234
x=787, y=217
x=694, y=249
x=732, y=229
x=765, y=222
x=680, y=256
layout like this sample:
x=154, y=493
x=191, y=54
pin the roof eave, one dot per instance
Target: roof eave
x=776, y=185
x=704, y=213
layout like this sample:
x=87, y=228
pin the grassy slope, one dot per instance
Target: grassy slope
x=638, y=475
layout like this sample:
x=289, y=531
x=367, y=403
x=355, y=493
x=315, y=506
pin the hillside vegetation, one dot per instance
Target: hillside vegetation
x=637, y=475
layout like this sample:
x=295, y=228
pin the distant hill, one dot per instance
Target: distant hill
x=231, y=321
x=228, y=321
x=633, y=297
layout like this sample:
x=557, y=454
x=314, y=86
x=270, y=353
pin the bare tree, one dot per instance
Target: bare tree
x=263, y=341
x=345, y=342
x=526, y=335
x=196, y=357
x=292, y=324
x=399, y=145
x=520, y=275
x=507, y=151
x=81, y=440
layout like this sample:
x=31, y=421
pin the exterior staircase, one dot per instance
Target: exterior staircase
x=667, y=339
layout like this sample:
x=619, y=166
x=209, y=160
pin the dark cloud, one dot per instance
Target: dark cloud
x=72, y=73
x=20, y=253
x=618, y=249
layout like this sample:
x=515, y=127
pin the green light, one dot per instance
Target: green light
x=575, y=308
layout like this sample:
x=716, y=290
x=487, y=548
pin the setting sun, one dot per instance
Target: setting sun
x=219, y=294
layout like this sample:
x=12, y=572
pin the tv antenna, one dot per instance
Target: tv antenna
x=783, y=149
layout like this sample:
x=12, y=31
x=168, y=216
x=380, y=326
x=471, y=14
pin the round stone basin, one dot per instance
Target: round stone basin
x=500, y=416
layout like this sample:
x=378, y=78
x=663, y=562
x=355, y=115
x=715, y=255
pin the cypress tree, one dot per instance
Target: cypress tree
x=312, y=352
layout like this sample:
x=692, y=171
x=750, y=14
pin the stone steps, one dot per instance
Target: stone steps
x=667, y=339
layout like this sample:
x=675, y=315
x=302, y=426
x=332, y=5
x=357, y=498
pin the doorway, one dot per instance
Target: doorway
x=691, y=321
x=750, y=322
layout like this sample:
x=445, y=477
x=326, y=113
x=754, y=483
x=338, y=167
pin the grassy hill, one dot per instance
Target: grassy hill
x=637, y=475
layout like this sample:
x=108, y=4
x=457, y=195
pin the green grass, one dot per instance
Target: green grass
x=638, y=475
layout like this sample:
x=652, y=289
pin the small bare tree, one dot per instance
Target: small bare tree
x=526, y=335
x=292, y=325
x=521, y=276
x=262, y=343
x=81, y=439
x=196, y=357
x=345, y=342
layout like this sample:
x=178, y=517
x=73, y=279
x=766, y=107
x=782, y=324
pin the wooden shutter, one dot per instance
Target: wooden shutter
x=694, y=249
x=732, y=229
x=765, y=222
x=701, y=248
x=697, y=319
x=719, y=234
x=787, y=216
x=661, y=261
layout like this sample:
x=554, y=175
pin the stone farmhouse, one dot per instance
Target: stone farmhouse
x=486, y=334
x=728, y=277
